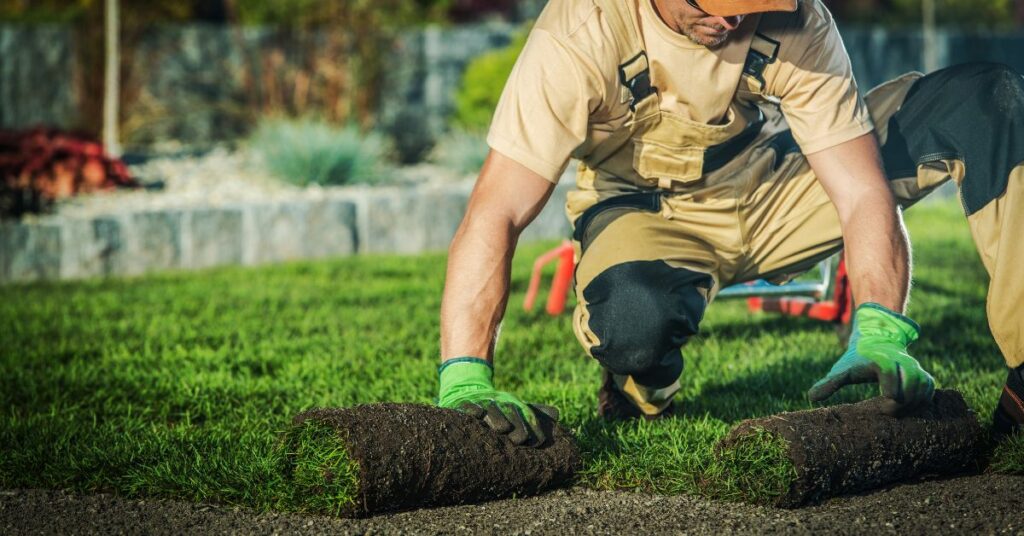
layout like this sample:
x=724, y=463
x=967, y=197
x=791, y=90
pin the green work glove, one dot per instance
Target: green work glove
x=878, y=352
x=466, y=386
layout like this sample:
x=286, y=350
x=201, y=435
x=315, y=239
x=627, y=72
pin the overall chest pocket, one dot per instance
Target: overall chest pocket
x=671, y=148
x=657, y=161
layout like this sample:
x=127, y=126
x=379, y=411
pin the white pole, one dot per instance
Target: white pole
x=930, y=57
x=111, y=86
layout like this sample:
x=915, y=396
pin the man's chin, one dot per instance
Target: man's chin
x=710, y=40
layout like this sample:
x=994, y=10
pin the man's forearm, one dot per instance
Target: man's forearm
x=506, y=198
x=877, y=254
x=476, y=287
x=877, y=250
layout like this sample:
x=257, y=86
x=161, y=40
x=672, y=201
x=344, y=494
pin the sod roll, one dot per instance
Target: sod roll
x=403, y=456
x=852, y=448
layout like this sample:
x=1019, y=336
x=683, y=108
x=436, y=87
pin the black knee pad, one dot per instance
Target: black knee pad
x=642, y=312
x=973, y=113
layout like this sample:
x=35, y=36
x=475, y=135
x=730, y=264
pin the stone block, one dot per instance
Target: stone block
x=215, y=237
x=109, y=233
x=277, y=232
x=91, y=247
x=33, y=59
x=443, y=208
x=30, y=251
x=332, y=229
x=551, y=223
x=410, y=220
x=384, y=217
x=154, y=242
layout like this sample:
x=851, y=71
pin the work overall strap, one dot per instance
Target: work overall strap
x=634, y=75
x=634, y=71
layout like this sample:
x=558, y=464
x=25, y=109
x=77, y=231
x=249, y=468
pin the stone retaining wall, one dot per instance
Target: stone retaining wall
x=37, y=73
x=337, y=223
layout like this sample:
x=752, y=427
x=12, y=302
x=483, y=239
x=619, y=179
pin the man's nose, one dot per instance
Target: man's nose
x=730, y=23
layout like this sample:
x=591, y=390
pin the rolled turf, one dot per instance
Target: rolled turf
x=851, y=448
x=378, y=458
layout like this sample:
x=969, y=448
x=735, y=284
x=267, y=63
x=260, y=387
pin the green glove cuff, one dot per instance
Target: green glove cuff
x=464, y=372
x=467, y=359
x=872, y=319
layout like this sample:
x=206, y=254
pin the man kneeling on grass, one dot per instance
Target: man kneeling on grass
x=723, y=141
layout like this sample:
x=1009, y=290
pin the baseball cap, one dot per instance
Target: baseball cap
x=728, y=8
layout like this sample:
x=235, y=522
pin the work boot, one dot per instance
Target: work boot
x=1009, y=415
x=614, y=405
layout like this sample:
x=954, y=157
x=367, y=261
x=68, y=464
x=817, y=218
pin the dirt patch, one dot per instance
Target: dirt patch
x=412, y=455
x=851, y=448
x=984, y=504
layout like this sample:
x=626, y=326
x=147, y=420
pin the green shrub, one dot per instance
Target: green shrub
x=461, y=151
x=308, y=151
x=482, y=83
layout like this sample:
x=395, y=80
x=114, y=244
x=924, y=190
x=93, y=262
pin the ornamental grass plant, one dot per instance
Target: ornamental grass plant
x=310, y=151
x=462, y=151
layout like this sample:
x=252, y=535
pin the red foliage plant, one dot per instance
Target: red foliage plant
x=41, y=165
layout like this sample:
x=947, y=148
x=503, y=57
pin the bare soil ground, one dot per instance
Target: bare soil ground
x=979, y=504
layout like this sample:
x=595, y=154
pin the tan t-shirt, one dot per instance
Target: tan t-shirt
x=564, y=95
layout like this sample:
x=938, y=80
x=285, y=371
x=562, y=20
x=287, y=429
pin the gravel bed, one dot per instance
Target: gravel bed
x=223, y=177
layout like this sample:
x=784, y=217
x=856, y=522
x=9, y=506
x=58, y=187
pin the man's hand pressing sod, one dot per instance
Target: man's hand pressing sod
x=878, y=353
x=466, y=385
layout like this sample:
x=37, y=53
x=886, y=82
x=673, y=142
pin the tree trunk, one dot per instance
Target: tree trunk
x=930, y=56
x=112, y=80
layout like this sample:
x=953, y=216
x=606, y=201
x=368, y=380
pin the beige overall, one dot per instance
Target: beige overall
x=761, y=215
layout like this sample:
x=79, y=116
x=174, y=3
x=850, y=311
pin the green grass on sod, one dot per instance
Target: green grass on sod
x=180, y=385
x=323, y=477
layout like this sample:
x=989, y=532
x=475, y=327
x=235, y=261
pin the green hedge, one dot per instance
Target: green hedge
x=482, y=83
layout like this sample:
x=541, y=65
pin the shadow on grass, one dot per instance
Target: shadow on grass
x=946, y=292
x=957, y=338
x=775, y=324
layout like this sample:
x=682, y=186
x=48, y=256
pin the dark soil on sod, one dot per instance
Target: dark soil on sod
x=850, y=448
x=413, y=455
x=981, y=504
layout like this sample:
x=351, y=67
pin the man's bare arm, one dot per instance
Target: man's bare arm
x=877, y=253
x=877, y=250
x=506, y=198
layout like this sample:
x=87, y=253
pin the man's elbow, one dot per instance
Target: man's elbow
x=876, y=203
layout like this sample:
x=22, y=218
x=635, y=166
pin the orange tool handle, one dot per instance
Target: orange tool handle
x=563, y=278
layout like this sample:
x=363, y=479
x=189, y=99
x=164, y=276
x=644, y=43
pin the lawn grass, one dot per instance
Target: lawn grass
x=180, y=385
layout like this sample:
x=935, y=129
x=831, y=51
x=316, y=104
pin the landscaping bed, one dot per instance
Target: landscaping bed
x=223, y=208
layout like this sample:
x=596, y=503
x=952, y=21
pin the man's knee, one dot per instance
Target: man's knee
x=641, y=313
x=973, y=113
x=994, y=77
x=989, y=93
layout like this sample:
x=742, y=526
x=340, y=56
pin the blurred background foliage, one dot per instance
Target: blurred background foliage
x=1001, y=14
x=310, y=151
x=288, y=12
x=482, y=83
x=384, y=13
x=328, y=60
x=357, y=31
